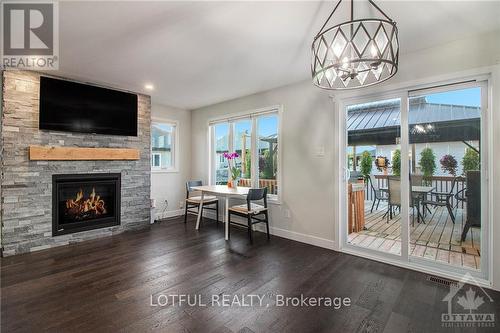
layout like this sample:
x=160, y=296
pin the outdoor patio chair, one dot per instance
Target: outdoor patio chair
x=442, y=199
x=473, y=195
x=417, y=179
x=394, y=200
x=394, y=197
x=379, y=194
x=193, y=201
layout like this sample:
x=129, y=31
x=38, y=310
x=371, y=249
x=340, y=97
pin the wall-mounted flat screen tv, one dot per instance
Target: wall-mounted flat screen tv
x=76, y=107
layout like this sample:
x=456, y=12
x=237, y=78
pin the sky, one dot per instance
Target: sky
x=469, y=97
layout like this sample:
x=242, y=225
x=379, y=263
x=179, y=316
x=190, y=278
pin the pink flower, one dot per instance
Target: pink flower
x=230, y=156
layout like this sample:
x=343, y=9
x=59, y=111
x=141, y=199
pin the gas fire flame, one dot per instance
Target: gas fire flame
x=82, y=207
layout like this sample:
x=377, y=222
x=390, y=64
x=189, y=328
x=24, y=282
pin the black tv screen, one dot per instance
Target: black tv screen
x=76, y=107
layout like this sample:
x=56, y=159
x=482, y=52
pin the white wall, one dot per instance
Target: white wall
x=307, y=123
x=171, y=185
x=309, y=181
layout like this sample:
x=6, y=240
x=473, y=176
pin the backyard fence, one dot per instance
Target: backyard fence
x=271, y=184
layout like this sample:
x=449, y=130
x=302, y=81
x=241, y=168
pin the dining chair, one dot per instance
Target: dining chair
x=253, y=212
x=442, y=199
x=379, y=194
x=193, y=199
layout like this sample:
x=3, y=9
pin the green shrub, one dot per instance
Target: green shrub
x=396, y=162
x=427, y=164
x=366, y=164
x=471, y=160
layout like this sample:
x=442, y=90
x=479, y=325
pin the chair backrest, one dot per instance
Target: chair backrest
x=190, y=184
x=374, y=183
x=453, y=184
x=473, y=194
x=416, y=179
x=394, y=188
x=255, y=194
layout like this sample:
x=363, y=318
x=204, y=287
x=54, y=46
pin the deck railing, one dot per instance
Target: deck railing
x=271, y=184
x=440, y=184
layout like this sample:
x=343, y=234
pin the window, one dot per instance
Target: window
x=156, y=160
x=163, y=145
x=255, y=137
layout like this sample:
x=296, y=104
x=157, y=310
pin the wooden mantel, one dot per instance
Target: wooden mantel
x=47, y=153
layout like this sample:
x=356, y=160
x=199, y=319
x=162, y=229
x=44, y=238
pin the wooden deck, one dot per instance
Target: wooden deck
x=438, y=239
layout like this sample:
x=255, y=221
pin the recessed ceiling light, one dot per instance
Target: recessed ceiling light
x=149, y=86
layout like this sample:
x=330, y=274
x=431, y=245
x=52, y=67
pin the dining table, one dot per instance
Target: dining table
x=220, y=191
x=419, y=192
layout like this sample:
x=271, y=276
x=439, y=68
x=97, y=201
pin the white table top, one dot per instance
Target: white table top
x=222, y=189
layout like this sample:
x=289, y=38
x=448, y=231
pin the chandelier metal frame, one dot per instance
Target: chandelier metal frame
x=355, y=53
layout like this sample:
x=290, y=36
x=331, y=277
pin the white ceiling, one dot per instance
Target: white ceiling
x=201, y=53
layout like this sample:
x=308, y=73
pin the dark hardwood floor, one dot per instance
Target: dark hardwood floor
x=107, y=285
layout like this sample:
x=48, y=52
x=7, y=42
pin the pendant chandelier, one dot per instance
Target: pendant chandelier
x=355, y=53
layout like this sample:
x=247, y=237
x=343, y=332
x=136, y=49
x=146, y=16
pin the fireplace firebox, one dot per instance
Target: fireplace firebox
x=85, y=201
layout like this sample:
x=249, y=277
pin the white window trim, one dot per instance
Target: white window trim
x=175, y=142
x=251, y=115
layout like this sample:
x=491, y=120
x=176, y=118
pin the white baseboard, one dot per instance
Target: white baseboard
x=303, y=238
x=292, y=235
x=169, y=213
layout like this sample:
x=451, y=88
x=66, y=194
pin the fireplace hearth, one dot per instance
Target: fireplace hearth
x=84, y=202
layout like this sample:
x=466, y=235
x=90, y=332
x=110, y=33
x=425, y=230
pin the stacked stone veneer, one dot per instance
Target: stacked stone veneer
x=26, y=186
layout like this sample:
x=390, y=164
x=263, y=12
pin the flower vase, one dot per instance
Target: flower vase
x=235, y=183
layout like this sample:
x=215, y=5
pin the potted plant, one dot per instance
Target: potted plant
x=366, y=165
x=471, y=161
x=396, y=163
x=449, y=164
x=427, y=164
x=235, y=172
x=382, y=163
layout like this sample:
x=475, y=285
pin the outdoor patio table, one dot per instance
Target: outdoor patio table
x=420, y=191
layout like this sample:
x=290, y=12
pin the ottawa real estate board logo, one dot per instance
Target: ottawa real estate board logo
x=469, y=305
x=30, y=35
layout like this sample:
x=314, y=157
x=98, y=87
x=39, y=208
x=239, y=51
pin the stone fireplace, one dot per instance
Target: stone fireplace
x=85, y=201
x=28, y=186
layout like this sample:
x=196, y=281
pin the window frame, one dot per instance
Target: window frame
x=174, y=166
x=152, y=159
x=253, y=116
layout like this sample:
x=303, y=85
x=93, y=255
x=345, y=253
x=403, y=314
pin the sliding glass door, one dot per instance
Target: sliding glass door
x=445, y=171
x=430, y=146
x=373, y=187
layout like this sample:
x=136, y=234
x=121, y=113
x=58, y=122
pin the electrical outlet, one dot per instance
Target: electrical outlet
x=181, y=204
x=286, y=213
